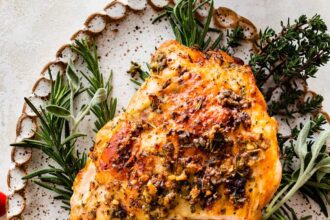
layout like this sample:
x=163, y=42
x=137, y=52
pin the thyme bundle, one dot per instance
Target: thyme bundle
x=287, y=60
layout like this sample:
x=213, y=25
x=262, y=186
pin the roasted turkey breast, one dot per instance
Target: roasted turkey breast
x=195, y=142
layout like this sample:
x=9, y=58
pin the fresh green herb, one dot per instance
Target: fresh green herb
x=57, y=135
x=286, y=212
x=138, y=74
x=74, y=84
x=105, y=110
x=189, y=31
x=187, y=28
x=286, y=60
x=233, y=38
x=284, y=63
x=316, y=126
x=317, y=191
x=313, y=160
x=51, y=141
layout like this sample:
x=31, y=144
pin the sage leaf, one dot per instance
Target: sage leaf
x=325, y=169
x=301, y=147
x=74, y=80
x=324, y=162
x=319, y=175
x=58, y=111
x=99, y=96
x=317, y=146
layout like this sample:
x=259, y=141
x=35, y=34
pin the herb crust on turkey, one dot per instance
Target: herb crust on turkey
x=195, y=142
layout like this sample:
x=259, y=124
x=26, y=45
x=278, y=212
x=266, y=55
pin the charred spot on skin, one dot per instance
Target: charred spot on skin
x=119, y=152
x=175, y=115
x=245, y=119
x=190, y=59
x=182, y=71
x=238, y=118
x=168, y=149
x=238, y=60
x=91, y=214
x=180, y=118
x=217, y=142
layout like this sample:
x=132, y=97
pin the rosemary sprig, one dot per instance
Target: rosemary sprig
x=104, y=111
x=57, y=133
x=187, y=29
x=57, y=145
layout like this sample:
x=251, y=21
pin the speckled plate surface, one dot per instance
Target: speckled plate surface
x=123, y=33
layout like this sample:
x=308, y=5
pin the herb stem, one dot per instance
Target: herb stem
x=278, y=195
x=304, y=178
x=72, y=111
x=305, y=173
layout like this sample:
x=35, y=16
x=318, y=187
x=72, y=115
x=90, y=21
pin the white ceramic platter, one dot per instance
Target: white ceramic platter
x=123, y=33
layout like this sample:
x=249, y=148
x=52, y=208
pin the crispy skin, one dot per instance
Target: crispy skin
x=195, y=142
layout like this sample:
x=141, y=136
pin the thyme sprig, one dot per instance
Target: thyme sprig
x=286, y=60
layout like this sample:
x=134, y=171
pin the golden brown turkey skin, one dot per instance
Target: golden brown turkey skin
x=195, y=142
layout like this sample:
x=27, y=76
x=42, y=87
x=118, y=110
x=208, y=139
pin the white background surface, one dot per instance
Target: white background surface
x=31, y=31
